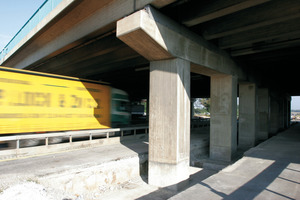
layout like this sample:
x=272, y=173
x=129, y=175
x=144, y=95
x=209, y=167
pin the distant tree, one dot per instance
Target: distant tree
x=206, y=103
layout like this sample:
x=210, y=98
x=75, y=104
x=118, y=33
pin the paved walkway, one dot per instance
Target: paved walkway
x=269, y=171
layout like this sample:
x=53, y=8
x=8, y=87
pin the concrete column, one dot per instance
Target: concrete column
x=281, y=112
x=289, y=112
x=248, y=115
x=192, y=108
x=274, y=116
x=169, y=134
x=263, y=113
x=223, y=121
x=285, y=113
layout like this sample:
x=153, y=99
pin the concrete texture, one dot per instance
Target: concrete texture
x=94, y=172
x=50, y=37
x=274, y=115
x=157, y=37
x=223, y=124
x=169, y=122
x=248, y=115
x=269, y=171
x=263, y=113
x=85, y=171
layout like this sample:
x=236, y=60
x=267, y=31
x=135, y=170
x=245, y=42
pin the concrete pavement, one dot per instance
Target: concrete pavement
x=270, y=170
x=96, y=172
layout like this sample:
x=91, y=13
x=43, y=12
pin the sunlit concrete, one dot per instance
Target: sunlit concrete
x=169, y=122
x=268, y=171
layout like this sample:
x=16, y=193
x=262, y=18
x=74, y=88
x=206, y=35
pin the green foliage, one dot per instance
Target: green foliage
x=206, y=103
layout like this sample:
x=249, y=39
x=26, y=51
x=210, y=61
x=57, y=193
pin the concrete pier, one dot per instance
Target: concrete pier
x=248, y=115
x=223, y=125
x=169, y=125
x=263, y=113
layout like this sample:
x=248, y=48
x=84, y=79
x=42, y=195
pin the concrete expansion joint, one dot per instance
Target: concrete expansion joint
x=167, y=163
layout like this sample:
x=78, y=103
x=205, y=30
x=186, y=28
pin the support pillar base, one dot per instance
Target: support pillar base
x=171, y=176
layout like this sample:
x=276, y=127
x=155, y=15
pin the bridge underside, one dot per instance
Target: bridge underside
x=172, y=51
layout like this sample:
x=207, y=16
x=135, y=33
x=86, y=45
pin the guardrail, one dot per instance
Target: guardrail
x=73, y=134
x=200, y=123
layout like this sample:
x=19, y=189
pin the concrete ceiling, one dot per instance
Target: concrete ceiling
x=262, y=36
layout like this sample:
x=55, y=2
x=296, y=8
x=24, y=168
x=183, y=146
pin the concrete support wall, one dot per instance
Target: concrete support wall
x=285, y=113
x=282, y=109
x=169, y=125
x=248, y=115
x=263, y=113
x=274, y=115
x=289, y=112
x=192, y=107
x=223, y=127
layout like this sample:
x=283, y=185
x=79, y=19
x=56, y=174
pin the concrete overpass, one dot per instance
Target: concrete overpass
x=170, y=51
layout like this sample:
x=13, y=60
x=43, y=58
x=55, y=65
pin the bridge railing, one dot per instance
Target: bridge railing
x=36, y=18
x=200, y=123
x=91, y=134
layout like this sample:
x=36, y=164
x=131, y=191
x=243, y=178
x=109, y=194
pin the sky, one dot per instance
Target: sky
x=15, y=13
x=295, y=105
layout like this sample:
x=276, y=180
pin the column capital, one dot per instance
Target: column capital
x=157, y=37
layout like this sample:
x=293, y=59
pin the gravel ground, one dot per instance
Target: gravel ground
x=33, y=191
x=136, y=188
x=26, y=191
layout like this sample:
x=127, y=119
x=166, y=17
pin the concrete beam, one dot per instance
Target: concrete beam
x=280, y=30
x=40, y=26
x=293, y=42
x=161, y=3
x=81, y=53
x=169, y=122
x=278, y=11
x=219, y=8
x=223, y=117
x=156, y=37
x=68, y=27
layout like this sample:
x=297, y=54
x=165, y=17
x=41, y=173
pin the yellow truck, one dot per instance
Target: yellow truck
x=33, y=102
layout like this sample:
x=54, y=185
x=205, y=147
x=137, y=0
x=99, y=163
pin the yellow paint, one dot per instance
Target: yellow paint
x=43, y=102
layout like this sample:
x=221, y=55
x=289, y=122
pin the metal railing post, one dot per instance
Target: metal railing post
x=70, y=134
x=17, y=144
